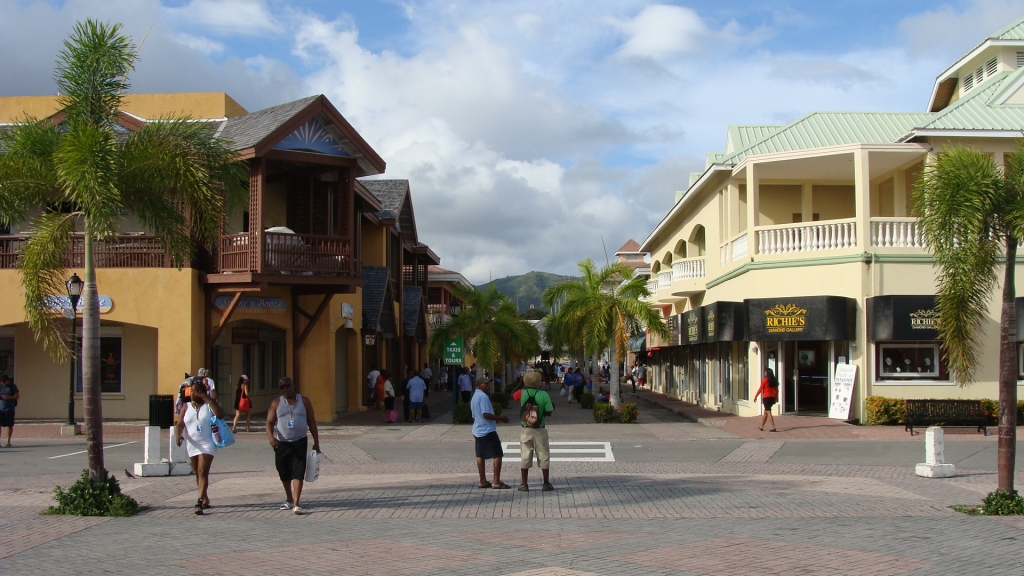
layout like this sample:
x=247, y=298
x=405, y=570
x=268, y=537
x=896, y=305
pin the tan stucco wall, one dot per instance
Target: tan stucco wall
x=149, y=106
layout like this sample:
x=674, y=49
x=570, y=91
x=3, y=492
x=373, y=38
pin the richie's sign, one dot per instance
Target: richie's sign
x=801, y=318
x=785, y=318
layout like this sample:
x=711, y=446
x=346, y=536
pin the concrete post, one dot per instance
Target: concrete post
x=934, y=455
x=178, y=457
x=151, y=464
x=862, y=195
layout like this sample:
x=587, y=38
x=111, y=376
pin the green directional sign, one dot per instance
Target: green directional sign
x=453, y=354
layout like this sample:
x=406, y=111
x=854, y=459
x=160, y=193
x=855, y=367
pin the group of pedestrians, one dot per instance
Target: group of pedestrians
x=290, y=418
x=414, y=391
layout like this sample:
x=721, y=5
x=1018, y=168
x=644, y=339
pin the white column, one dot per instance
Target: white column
x=807, y=202
x=753, y=208
x=862, y=197
x=899, y=193
x=734, y=210
x=934, y=456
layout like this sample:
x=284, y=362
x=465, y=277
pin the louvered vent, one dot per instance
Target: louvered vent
x=1020, y=59
x=968, y=82
x=979, y=75
x=991, y=66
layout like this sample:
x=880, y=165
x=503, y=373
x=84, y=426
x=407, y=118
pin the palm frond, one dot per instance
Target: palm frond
x=42, y=276
x=92, y=73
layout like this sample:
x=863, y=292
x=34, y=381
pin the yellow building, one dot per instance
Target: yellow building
x=284, y=291
x=796, y=249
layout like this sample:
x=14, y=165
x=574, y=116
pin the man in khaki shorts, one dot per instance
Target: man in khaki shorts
x=535, y=408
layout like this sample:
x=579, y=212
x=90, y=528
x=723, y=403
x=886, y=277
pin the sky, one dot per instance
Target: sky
x=534, y=133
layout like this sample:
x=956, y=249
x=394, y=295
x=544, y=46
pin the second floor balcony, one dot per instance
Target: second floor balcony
x=285, y=253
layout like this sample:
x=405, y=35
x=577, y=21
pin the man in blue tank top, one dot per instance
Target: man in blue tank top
x=289, y=418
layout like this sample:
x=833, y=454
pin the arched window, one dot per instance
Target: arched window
x=655, y=268
x=666, y=260
x=680, y=249
x=697, y=240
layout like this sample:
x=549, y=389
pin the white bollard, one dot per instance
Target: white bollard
x=935, y=459
x=178, y=457
x=151, y=464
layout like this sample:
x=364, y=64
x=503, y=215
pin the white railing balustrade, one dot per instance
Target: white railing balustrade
x=652, y=286
x=723, y=255
x=664, y=279
x=896, y=233
x=688, y=269
x=740, y=248
x=811, y=237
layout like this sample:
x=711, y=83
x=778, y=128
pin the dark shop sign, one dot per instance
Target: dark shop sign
x=801, y=318
x=673, y=330
x=903, y=318
x=724, y=322
x=692, y=326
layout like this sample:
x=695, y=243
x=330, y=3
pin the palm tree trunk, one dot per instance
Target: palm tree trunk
x=613, y=375
x=594, y=372
x=91, y=398
x=1007, y=444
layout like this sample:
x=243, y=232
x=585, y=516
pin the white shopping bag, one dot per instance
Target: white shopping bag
x=312, y=466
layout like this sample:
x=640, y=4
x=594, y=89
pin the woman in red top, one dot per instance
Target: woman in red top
x=769, y=392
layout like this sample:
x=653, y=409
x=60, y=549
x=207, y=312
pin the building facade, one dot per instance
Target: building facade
x=289, y=289
x=797, y=249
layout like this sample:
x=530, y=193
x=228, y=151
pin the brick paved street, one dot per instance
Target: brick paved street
x=680, y=498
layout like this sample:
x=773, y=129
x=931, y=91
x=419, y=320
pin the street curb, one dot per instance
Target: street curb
x=712, y=422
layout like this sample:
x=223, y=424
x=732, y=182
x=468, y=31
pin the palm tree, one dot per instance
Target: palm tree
x=491, y=327
x=604, y=308
x=88, y=172
x=971, y=214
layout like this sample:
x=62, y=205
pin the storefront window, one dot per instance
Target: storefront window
x=739, y=373
x=909, y=361
x=7, y=356
x=111, y=367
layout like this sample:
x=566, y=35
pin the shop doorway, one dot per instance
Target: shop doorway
x=804, y=370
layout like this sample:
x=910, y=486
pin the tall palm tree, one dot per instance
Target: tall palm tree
x=88, y=171
x=972, y=215
x=491, y=327
x=605, y=308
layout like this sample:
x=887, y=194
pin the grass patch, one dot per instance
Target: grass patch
x=997, y=503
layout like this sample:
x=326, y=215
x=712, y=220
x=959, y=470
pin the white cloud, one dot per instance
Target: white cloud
x=242, y=17
x=661, y=31
x=201, y=44
x=949, y=33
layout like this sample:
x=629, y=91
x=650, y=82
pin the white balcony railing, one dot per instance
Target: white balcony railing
x=811, y=237
x=664, y=279
x=688, y=269
x=740, y=248
x=723, y=254
x=652, y=286
x=896, y=233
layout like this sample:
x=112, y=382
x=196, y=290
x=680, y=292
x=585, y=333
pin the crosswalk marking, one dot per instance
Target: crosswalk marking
x=573, y=451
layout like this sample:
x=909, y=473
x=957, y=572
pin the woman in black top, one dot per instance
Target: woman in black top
x=242, y=402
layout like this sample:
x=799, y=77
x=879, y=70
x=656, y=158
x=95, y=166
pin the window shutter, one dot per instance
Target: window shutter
x=992, y=66
x=1020, y=59
x=979, y=75
x=968, y=82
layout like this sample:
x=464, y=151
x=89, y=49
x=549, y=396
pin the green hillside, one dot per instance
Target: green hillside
x=526, y=289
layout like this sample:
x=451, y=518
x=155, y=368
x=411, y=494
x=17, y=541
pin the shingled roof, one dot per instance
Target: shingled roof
x=391, y=193
x=376, y=289
x=412, y=313
x=250, y=129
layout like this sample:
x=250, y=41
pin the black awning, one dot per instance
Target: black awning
x=691, y=326
x=724, y=322
x=1019, y=303
x=903, y=318
x=801, y=318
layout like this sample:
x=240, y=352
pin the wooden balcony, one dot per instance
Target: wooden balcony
x=123, y=251
x=285, y=254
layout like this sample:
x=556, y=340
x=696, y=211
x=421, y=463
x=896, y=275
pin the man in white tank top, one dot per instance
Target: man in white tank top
x=289, y=418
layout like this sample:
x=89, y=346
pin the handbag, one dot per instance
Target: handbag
x=312, y=466
x=244, y=405
x=223, y=437
x=393, y=416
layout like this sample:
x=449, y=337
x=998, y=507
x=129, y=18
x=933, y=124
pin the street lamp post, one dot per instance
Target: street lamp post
x=454, y=308
x=75, y=286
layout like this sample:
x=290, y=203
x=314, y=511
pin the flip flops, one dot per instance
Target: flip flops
x=523, y=488
x=286, y=506
x=501, y=486
x=548, y=487
x=199, y=507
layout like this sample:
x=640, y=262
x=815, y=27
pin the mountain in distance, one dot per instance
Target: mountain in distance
x=526, y=289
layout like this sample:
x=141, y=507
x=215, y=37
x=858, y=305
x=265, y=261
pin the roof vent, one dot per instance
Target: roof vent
x=968, y=82
x=1020, y=59
x=992, y=66
x=979, y=75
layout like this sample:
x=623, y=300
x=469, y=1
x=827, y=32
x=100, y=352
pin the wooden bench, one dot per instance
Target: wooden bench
x=945, y=413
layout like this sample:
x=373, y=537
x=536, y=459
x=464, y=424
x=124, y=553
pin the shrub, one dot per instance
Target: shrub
x=586, y=400
x=462, y=413
x=603, y=413
x=991, y=409
x=882, y=411
x=1001, y=503
x=87, y=498
x=628, y=413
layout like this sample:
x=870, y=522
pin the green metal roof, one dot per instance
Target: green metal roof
x=821, y=129
x=977, y=109
x=1014, y=31
x=741, y=136
x=713, y=158
x=694, y=176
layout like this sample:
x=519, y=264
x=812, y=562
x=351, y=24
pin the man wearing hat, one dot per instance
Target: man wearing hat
x=536, y=407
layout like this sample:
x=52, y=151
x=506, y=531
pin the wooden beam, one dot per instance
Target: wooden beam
x=313, y=320
x=303, y=312
x=310, y=158
x=256, y=288
x=225, y=318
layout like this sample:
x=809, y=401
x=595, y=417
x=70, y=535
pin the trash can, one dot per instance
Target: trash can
x=161, y=410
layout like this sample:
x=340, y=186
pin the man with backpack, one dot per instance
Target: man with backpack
x=536, y=407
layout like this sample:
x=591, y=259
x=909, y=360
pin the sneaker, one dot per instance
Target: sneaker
x=286, y=506
x=298, y=511
x=548, y=487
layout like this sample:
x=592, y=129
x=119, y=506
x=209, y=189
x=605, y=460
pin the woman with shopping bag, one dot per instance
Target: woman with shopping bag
x=289, y=418
x=242, y=403
x=389, y=399
x=197, y=430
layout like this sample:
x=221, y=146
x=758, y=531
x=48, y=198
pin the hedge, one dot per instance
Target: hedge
x=882, y=411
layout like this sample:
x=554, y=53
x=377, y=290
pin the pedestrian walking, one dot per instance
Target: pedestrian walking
x=443, y=383
x=485, y=431
x=196, y=429
x=416, y=389
x=289, y=418
x=641, y=375
x=428, y=375
x=242, y=403
x=389, y=398
x=9, y=395
x=465, y=385
x=769, y=392
x=379, y=394
x=577, y=385
x=404, y=389
x=371, y=382
x=536, y=406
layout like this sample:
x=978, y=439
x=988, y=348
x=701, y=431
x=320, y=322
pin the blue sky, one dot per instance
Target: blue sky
x=530, y=130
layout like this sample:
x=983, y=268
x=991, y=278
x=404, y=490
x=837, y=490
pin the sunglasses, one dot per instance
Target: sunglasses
x=285, y=387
